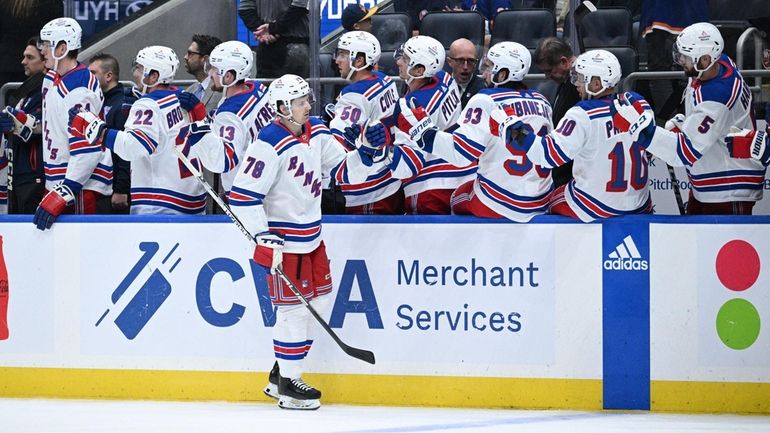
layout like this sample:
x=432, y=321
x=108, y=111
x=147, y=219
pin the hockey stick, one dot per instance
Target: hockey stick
x=583, y=9
x=363, y=355
x=675, y=188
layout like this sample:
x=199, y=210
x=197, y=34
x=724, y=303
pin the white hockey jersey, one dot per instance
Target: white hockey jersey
x=160, y=182
x=65, y=156
x=371, y=100
x=506, y=181
x=441, y=100
x=278, y=185
x=711, y=108
x=237, y=122
x=610, y=169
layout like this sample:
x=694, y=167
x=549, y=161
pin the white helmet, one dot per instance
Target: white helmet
x=696, y=41
x=286, y=89
x=65, y=30
x=359, y=42
x=160, y=59
x=425, y=51
x=511, y=56
x=596, y=63
x=232, y=56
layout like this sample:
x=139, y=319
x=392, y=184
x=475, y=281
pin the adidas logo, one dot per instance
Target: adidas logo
x=626, y=257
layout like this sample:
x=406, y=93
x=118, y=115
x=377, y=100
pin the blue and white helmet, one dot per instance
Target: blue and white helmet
x=511, y=56
x=696, y=41
x=601, y=64
x=423, y=51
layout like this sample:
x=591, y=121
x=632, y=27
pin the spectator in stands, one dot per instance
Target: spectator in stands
x=417, y=9
x=488, y=8
x=117, y=104
x=26, y=184
x=281, y=27
x=20, y=20
x=357, y=17
x=661, y=22
x=196, y=62
x=554, y=57
x=463, y=60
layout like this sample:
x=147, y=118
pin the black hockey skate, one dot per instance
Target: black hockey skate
x=271, y=390
x=296, y=394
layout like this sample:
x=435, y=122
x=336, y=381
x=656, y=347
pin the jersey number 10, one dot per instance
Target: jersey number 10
x=638, y=175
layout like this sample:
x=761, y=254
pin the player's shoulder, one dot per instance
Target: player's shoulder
x=257, y=88
x=273, y=133
x=317, y=126
x=161, y=98
x=594, y=108
x=724, y=88
x=444, y=78
x=368, y=87
x=80, y=77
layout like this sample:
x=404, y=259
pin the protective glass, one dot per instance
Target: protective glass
x=41, y=45
x=681, y=59
x=341, y=54
x=486, y=67
x=576, y=78
x=303, y=101
x=399, y=52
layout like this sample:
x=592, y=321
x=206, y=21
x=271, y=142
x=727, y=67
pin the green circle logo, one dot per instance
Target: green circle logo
x=738, y=324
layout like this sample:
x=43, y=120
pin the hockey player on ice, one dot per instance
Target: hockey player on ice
x=507, y=184
x=276, y=194
x=77, y=172
x=158, y=120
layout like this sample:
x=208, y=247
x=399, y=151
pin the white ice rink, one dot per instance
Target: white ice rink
x=64, y=416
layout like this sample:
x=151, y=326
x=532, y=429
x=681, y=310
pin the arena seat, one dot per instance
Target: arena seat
x=387, y=64
x=447, y=27
x=533, y=4
x=525, y=26
x=609, y=27
x=328, y=68
x=629, y=60
x=391, y=29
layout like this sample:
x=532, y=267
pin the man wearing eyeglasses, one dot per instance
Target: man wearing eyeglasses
x=463, y=60
x=196, y=62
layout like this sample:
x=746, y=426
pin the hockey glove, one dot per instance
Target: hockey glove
x=23, y=123
x=373, y=143
x=269, y=250
x=675, y=123
x=503, y=122
x=87, y=126
x=52, y=205
x=6, y=123
x=412, y=120
x=749, y=144
x=350, y=134
x=192, y=105
x=190, y=135
x=633, y=115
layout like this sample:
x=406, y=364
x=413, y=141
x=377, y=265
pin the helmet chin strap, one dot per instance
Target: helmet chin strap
x=353, y=69
x=56, y=59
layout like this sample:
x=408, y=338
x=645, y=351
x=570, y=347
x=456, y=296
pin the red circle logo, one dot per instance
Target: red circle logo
x=737, y=265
